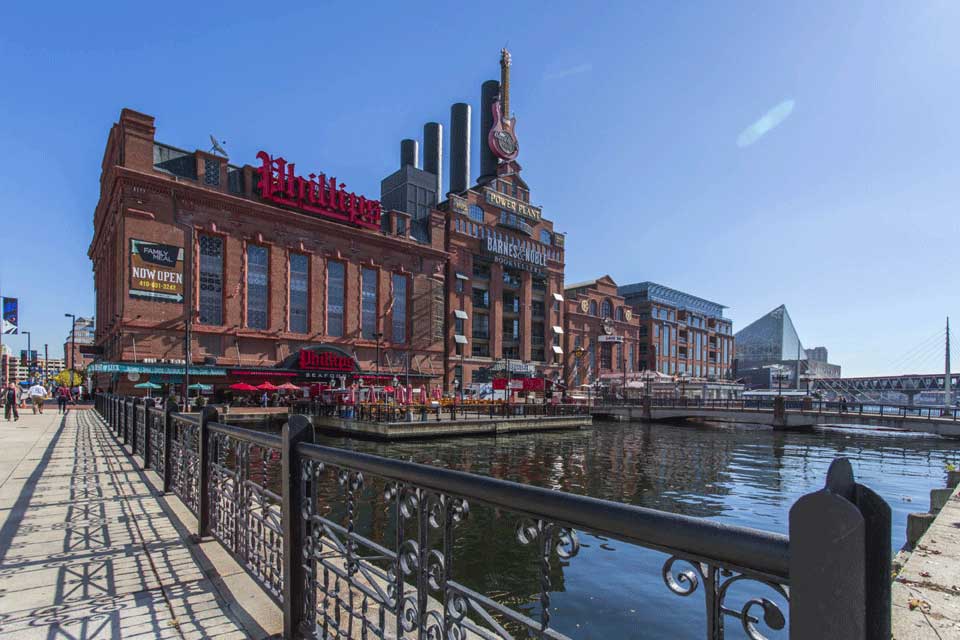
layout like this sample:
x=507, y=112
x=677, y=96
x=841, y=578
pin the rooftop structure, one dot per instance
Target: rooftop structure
x=653, y=292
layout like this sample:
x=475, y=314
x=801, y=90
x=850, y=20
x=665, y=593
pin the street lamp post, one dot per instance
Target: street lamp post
x=578, y=356
x=73, y=343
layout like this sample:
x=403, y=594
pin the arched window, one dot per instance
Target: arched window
x=620, y=315
x=606, y=309
x=593, y=307
x=476, y=213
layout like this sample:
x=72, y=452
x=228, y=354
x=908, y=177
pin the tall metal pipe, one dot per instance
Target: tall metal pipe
x=409, y=153
x=433, y=153
x=459, y=147
x=489, y=93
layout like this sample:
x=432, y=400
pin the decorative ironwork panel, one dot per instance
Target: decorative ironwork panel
x=128, y=420
x=140, y=432
x=158, y=455
x=380, y=553
x=245, y=506
x=185, y=462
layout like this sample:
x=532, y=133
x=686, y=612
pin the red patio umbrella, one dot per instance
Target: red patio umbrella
x=243, y=386
x=266, y=386
x=289, y=386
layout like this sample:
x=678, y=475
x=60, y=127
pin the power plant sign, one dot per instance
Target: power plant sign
x=156, y=271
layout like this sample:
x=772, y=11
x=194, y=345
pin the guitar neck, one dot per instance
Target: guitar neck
x=505, y=85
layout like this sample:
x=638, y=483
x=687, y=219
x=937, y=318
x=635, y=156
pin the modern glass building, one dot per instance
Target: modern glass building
x=768, y=340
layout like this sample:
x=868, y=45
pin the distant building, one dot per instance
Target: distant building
x=17, y=369
x=411, y=189
x=83, y=333
x=770, y=355
x=680, y=333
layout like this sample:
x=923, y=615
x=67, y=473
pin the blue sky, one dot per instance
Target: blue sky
x=751, y=153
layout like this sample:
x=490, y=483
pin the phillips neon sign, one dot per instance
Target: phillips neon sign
x=315, y=194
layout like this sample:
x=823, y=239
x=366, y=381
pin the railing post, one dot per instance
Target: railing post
x=840, y=561
x=296, y=430
x=147, y=405
x=167, y=439
x=207, y=415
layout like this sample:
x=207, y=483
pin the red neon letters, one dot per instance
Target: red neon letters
x=325, y=361
x=315, y=194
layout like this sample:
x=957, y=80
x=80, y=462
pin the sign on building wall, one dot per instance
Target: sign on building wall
x=156, y=271
x=11, y=315
x=522, y=256
x=513, y=205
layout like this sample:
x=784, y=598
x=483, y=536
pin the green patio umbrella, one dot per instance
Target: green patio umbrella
x=199, y=386
x=150, y=386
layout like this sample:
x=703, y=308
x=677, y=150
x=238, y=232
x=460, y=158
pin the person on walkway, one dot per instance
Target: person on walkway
x=264, y=400
x=63, y=397
x=37, y=394
x=10, y=401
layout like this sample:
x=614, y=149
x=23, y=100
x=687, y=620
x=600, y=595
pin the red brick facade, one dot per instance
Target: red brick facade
x=504, y=278
x=141, y=201
x=607, y=331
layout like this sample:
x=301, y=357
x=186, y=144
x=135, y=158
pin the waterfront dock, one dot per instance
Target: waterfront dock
x=926, y=592
x=91, y=548
x=391, y=422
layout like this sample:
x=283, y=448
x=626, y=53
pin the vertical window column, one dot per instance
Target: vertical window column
x=336, y=283
x=398, y=323
x=368, y=299
x=258, y=280
x=299, y=293
x=211, y=280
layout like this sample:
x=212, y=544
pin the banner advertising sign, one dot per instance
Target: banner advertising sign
x=156, y=271
x=11, y=316
x=616, y=339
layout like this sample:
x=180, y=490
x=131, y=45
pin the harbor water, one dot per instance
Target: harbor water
x=738, y=474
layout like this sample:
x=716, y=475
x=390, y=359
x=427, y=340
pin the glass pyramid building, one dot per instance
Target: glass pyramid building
x=772, y=339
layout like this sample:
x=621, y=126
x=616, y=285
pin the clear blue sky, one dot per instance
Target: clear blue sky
x=634, y=122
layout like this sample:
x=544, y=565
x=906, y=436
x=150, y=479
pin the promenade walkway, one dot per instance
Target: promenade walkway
x=90, y=549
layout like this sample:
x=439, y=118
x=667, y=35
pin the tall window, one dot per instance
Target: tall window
x=336, y=281
x=299, y=286
x=399, y=319
x=476, y=213
x=368, y=295
x=211, y=280
x=606, y=310
x=257, y=286
x=593, y=307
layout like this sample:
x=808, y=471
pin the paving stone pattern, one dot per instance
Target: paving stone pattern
x=88, y=548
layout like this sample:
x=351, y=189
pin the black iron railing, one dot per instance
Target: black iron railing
x=352, y=545
x=801, y=405
x=450, y=412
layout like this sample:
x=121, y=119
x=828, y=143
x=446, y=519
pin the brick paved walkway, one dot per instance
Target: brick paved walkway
x=88, y=548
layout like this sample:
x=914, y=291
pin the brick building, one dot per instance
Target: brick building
x=259, y=262
x=602, y=324
x=681, y=334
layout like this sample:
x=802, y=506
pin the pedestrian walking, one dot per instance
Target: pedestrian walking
x=37, y=395
x=264, y=400
x=63, y=397
x=10, y=401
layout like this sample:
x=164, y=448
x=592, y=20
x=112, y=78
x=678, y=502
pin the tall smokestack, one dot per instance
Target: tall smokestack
x=489, y=92
x=433, y=153
x=409, y=153
x=459, y=147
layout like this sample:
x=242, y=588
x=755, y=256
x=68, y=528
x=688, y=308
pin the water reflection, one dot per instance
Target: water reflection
x=740, y=474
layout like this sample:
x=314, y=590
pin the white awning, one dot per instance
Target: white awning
x=557, y=350
x=558, y=330
x=459, y=339
x=557, y=297
x=460, y=276
x=460, y=313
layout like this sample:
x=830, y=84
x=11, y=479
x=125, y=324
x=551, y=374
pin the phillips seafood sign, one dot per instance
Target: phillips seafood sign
x=315, y=194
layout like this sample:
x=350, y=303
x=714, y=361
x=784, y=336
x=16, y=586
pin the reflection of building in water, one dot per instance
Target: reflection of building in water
x=770, y=347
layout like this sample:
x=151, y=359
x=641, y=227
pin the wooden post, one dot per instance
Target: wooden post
x=297, y=430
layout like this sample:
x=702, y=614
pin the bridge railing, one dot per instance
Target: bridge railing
x=353, y=545
x=801, y=405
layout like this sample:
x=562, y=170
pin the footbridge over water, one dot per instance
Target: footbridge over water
x=909, y=385
x=781, y=413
